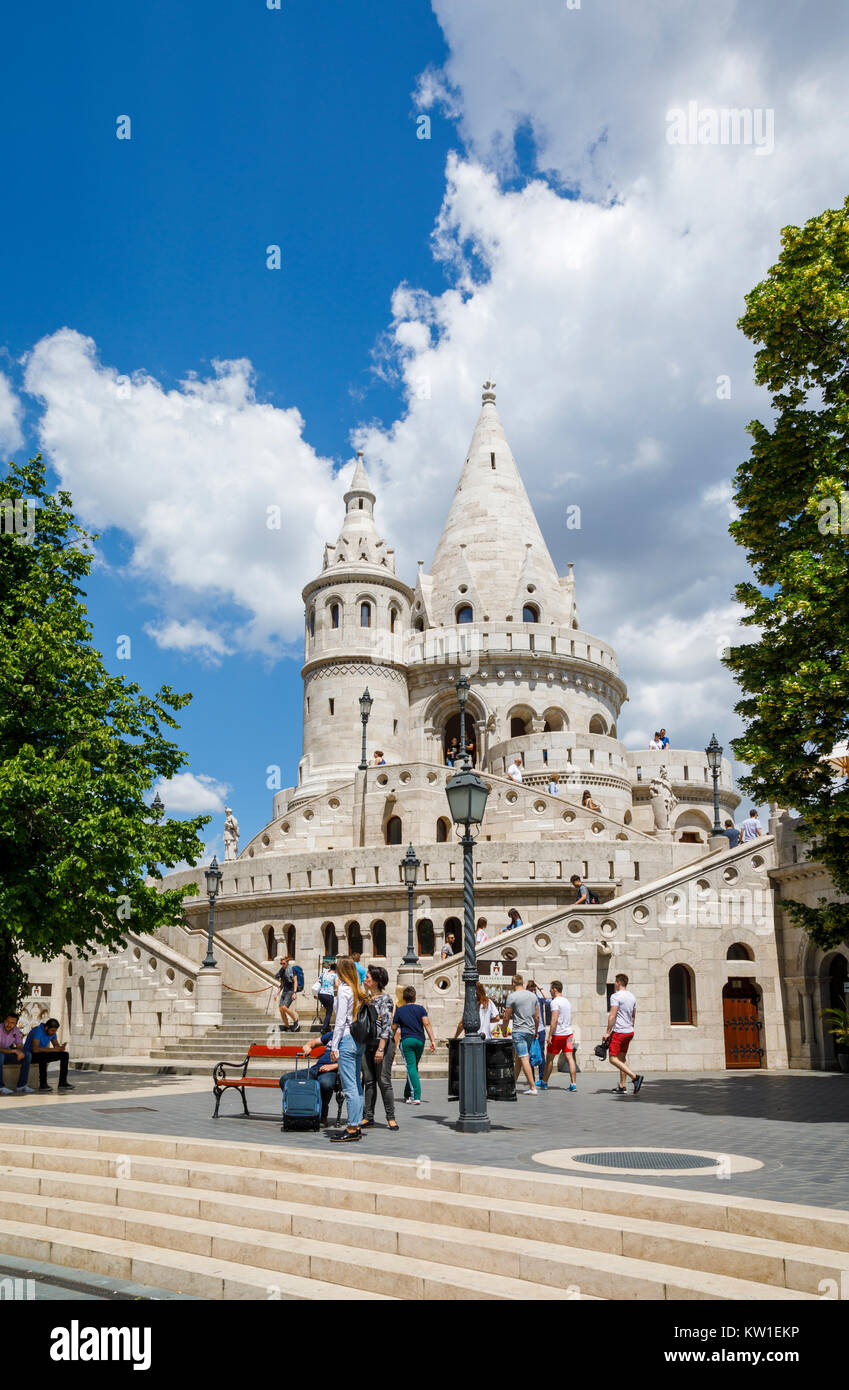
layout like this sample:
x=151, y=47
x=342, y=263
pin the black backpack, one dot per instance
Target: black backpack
x=364, y=1028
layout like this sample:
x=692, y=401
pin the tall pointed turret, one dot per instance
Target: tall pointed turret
x=491, y=555
x=359, y=541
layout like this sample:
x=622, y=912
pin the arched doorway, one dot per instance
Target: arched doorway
x=378, y=938
x=741, y=1024
x=394, y=831
x=424, y=936
x=452, y=731
x=836, y=997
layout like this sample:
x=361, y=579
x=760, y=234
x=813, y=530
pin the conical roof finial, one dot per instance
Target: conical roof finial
x=488, y=392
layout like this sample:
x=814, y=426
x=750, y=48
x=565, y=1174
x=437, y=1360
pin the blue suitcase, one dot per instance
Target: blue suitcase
x=301, y=1100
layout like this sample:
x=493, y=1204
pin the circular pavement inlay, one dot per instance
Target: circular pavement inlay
x=679, y=1162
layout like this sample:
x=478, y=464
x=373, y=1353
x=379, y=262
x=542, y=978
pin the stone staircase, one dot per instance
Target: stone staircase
x=217, y=1221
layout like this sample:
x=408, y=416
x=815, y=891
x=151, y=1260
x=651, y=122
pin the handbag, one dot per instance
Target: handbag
x=535, y=1054
x=316, y=987
x=600, y=1049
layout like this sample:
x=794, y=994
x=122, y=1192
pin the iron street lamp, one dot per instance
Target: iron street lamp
x=713, y=752
x=366, y=702
x=410, y=868
x=213, y=877
x=467, y=795
x=462, y=697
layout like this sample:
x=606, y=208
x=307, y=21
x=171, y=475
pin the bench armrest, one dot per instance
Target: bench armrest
x=219, y=1073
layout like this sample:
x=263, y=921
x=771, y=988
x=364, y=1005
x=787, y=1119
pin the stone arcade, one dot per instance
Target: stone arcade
x=721, y=977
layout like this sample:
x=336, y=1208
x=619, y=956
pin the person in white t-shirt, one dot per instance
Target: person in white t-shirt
x=620, y=1031
x=514, y=771
x=561, y=1036
x=751, y=828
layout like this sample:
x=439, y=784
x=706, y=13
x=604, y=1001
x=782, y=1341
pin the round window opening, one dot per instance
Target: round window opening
x=608, y=928
x=405, y=776
x=542, y=941
x=382, y=780
x=443, y=983
x=640, y=914
x=575, y=927
x=508, y=953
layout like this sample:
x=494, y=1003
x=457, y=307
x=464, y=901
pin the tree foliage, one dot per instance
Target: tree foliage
x=793, y=496
x=79, y=749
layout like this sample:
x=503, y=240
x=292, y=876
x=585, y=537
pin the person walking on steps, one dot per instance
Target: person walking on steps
x=561, y=1038
x=351, y=998
x=620, y=1031
x=288, y=990
x=410, y=1023
x=377, y=1061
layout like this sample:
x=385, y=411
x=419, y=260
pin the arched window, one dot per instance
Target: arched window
x=365, y=615
x=464, y=613
x=355, y=937
x=597, y=725
x=394, y=831
x=739, y=951
x=455, y=927
x=312, y=622
x=291, y=939
x=530, y=613
x=393, y=618
x=517, y=727
x=378, y=938
x=270, y=943
x=443, y=825
x=334, y=615
x=424, y=936
x=419, y=624
x=680, y=995
x=331, y=940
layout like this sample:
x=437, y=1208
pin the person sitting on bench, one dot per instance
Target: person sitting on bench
x=12, y=1051
x=324, y=1070
x=44, y=1047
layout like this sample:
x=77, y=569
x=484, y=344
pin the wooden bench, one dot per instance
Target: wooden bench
x=221, y=1082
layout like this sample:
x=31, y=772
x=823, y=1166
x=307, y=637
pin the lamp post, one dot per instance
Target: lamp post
x=713, y=752
x=213, y=877
x=410, y=868
x=467, y=795
x=366, y=702
x=462, y=697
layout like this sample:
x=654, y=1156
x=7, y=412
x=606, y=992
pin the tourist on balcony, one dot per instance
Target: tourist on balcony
x=732, y=834
x=751, y=828
x=471, y=751
x=587, y=801
x=664, y=739
x=514, y=771
x=481, y=933
x=655, y=745
x=514, y=921
x=554, y=785
x=379, y=760
x=12, y=1050
x=488, y=1011
x=377, y=1061
x=345, y=1050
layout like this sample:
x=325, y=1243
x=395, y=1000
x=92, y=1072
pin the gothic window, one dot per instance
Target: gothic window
x=464, y=613
x=365, y=615
x=530, y=613
x=334, y=615
x=680, y=995
x=331, y=940
x=378, y=938
x=355, y=938
x=393, y=618
x=425, y=937
x=270, y=943
x=312, y=622
x=290, y=936
x=442, y=828
x=394, y=831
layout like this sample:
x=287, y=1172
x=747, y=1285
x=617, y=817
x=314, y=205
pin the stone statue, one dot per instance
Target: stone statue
x=663, y=799
x=231, y=834
x=491, y=724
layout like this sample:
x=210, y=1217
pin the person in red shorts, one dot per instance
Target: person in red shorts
x=561, y=1037
x=620, y=1031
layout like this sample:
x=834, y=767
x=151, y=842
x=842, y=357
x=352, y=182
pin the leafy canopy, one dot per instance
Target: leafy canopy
x=793, y=496
x=79, y=748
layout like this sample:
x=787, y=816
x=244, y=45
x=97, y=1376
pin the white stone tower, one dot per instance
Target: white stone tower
x=357, y=617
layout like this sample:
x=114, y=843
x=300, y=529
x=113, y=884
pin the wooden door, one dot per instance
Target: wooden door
x=741, y=1024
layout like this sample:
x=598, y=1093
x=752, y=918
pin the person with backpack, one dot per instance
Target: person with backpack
x=288, y=989
x=584, y=894
x=410, y=1023
x=378, y=1059
x=348, y=1044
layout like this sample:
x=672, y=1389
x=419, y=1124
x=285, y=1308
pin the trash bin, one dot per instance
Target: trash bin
x=500, y=1083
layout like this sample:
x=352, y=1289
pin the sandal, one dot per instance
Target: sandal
x=394, y=1125
x=346, y=1136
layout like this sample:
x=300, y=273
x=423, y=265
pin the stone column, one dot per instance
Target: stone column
x=207, y=1012
x=810, y=1030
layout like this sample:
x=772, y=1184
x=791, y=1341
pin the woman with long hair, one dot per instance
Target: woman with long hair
x=350, y=998
x=514, y=921
x=487, y=1011
x=587, y=801
x=377, y=1061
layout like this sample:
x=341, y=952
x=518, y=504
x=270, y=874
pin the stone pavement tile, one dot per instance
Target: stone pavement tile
x=796, y=1124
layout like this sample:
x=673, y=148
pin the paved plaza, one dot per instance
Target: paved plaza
x=795, y=1124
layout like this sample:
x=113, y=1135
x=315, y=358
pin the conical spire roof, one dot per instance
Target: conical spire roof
x=360, y=542
x=492, y=535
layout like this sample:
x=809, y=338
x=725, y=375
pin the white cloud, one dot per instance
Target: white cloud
x=189, y=637
x=196, y=794
x=11, y=413
x=190, y=474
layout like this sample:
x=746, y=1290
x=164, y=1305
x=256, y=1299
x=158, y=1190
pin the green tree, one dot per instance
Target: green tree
x=79, y=748
x=793, y=496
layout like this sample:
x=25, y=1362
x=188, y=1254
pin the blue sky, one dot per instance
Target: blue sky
x=548, y=234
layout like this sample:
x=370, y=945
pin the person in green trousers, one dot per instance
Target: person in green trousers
x=410, y=1023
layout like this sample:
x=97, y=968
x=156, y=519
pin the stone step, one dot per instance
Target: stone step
x=486, y=1232
x=389, y=1209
